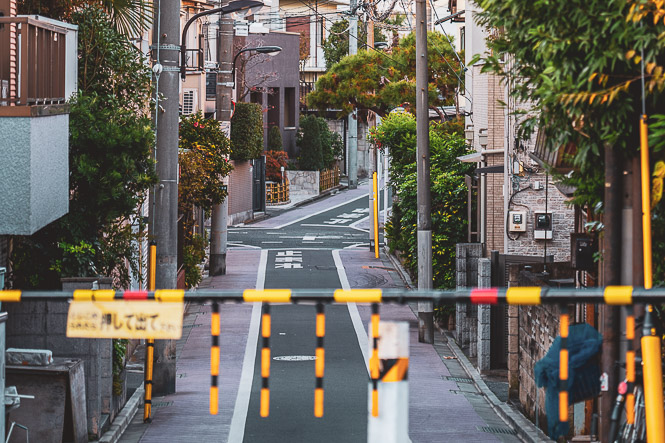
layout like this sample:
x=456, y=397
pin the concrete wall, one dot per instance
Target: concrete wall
x=240, y=193
x=34, y=172
x=42, y=325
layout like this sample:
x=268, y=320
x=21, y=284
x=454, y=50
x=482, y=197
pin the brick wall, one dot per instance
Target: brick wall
x=240, y=193
x=563, y=221
x=494, y=216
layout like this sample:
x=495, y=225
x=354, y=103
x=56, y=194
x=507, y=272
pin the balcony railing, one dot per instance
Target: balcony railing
x=32, y=65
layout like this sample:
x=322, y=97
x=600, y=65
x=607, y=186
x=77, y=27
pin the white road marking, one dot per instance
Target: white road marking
x=363, y=342
x=309, y=238
x=237, y=431
x=240, y=245
x=323, y=226
x=272, y=242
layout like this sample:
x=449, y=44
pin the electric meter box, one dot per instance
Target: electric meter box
x=542, y=225
x=517, y=221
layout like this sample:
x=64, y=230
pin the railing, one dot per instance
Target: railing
x=329, y=178
x=32, y=70
x=277, y=192
x=305, y=88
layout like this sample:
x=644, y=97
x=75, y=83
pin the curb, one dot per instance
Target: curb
x=526, y=430
x=124, y=418
x=398, y=266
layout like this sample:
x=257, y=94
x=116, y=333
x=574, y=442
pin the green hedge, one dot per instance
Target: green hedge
x=247, y=132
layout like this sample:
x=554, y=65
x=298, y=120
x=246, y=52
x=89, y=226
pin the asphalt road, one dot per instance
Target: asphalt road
x=300, y=256
x=334, y=228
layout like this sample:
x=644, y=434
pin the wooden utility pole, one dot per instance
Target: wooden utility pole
x=610, y=315
x=424, y=226
x=165, y=209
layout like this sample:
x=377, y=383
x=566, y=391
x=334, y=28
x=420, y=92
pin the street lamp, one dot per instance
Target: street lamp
x=250, y=6
x=260, y=49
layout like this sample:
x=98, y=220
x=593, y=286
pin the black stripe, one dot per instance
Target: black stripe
x=319, y=308
x=319, y=342
x=375, y=308
x=564, y=342
x=148, y=402
x=375, y=384
x=563, y=385
x=147, y=382
x=215, y=307
x=264, y=382
x=266, y=342
x=150, y=344
x=213, y=380
x=375, y=342
x=215, y=341
x=266, y=308
x=319, y=382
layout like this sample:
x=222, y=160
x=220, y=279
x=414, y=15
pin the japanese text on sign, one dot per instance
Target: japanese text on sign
x=125, y=319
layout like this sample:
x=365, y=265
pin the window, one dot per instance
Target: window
x=462, y=39
x=289, y=107
x=273, y=107
x=188, y=102
x=211, y=85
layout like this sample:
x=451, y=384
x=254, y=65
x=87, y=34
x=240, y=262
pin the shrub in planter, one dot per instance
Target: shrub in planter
x=274, y=139
x=247, y=132
x=274, y=161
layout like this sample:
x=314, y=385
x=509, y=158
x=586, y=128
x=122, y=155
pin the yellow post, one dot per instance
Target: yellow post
x=150, y=343
x=376, y=216
x=652, y=369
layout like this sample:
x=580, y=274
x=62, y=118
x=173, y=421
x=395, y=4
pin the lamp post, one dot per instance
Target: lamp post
x=260, y=49
x=233, y=7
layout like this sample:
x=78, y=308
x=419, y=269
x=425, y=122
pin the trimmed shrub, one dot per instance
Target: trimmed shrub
x=247, y=132
x=309, y=142
x=274, y=139
x=274, y=161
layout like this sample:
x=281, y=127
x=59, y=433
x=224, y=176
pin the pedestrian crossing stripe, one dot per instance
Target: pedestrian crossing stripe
x=394, y=369
x=267, y=295
x=618, y=295
x=10, y=296
x=358, y=295
x=523, y=296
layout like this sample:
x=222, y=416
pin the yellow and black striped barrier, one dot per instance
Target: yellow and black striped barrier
x=612, y=295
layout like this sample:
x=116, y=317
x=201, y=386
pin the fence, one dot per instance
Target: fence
x=158, y=314
x=32, y=69
x=329, y=178
x=277, y=192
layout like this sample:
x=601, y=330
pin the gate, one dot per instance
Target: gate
x=499, y=313
x=259, y=184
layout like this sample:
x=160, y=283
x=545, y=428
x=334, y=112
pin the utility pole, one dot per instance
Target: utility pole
x=353, y=122
x=220, y=212
x=373, y=152
x=165, y=209
x=425, y=309
x=609, y=315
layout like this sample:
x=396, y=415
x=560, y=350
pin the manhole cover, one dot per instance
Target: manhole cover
x=459, y=379
x=161, y=404
x=295, y=358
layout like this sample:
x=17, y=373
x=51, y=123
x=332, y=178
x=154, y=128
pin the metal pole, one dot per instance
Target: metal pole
x=149, y=345
x=165, y=219
x=375, y=221
x=353, y=123
x=223, y=106
x=425, y=309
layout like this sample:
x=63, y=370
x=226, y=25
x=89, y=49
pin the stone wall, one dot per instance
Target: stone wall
x=466, y=321
x=303, y=182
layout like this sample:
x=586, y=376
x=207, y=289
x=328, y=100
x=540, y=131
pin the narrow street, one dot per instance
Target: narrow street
x=321, y=245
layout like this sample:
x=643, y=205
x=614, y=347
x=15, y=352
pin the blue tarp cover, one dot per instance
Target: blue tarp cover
x=583, y=343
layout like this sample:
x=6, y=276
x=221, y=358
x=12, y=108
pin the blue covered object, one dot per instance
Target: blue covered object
x=583, y=344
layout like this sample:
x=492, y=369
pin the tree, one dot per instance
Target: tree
x=246, y=131
x=379, y=82
x=274, y=139
x=111, y=167
x=251, y=76
x=309, y=142
x=449, y=192
x=336, y=46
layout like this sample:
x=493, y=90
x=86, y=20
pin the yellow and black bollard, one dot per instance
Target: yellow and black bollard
x=653, y=380
x=374, y=359
x=265, y=361
x=215, y=329
x=320, y=360
x=630, y=365
x=564, y=322
x=149, y=343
